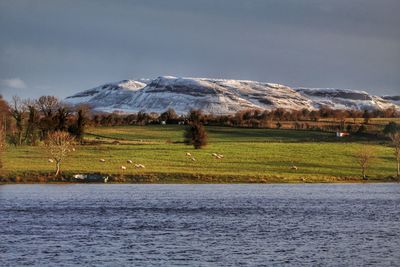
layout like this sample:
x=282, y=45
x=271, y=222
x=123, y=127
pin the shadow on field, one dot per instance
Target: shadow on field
x=269, y=135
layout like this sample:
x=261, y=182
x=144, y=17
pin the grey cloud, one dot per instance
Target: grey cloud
x=74, y=45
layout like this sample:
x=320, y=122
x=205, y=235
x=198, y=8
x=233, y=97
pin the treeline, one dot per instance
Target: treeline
x=245, y=118
x=29, y=121
x=323, y=119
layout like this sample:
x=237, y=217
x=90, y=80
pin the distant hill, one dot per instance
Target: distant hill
x=218, y=96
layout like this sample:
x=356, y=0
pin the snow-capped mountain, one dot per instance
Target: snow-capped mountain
x=344, y=99
x=217, y=96
x=394, y=99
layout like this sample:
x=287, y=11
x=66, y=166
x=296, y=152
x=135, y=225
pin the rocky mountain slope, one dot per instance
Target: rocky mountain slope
x=217, y=96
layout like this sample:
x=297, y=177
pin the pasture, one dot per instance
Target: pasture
x=250, y=155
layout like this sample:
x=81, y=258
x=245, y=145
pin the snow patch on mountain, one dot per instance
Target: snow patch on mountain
x=344, y=99
x=217, y=96
x=393, y=99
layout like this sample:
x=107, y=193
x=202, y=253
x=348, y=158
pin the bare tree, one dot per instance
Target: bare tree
x=364, y=156
x=59, y=144
x=2, y=146
x=395, y=137
x=48, y=105
x=5, y=114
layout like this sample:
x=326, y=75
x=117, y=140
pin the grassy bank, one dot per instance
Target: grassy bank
x=250, y=155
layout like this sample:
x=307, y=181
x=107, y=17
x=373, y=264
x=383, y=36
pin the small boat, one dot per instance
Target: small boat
x=90, y=178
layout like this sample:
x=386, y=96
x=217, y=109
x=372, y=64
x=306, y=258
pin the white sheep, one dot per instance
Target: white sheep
x=50, y=160
x=188, y=154
x=294, y=168
x=139, y=166
x=102, y=160
x=129, y=161
x=193, y=159
x=123, y=168
x=217, y=156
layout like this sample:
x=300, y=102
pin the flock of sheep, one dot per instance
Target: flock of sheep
x=122, y=167
x=215, y=155
x=141, y=166
x=188, y=154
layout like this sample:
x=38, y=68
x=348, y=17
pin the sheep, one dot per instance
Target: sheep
x=294, y=168
x=123, y=168
x=129, y=161
x=139, y=166
x=50, y=160
x=188, y=154
x=193, y=159
x=102, y=160
x=217, y=156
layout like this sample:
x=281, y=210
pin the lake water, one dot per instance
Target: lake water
x=200, y=225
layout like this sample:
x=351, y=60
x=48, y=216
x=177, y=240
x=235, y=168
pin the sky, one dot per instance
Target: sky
x=56, y=47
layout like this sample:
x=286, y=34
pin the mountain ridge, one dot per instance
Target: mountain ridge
x=218, y=96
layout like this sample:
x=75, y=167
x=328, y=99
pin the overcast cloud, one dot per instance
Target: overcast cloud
x=62, y=47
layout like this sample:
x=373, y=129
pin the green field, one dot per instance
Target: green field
x=250, y=155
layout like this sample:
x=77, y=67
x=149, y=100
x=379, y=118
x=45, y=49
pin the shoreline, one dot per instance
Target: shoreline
x=187, y=178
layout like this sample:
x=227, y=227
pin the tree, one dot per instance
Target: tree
x=32, y=123
x=2, y=146
x=395, y=137
x=48, y=105
x=366, y=116
x=362, y=129
x=18, y=113
x=59, y=144
x=195, y=115
x=169, y=115
x=196, y=135
x=61, y=117
x=142, y=118
x=78, y=128
x=364, y=156
x=5, y=114
x=391, y=128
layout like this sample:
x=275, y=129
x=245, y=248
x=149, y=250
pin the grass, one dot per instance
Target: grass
x=250, y=155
